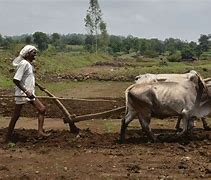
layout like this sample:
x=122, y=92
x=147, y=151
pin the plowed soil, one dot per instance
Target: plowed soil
x=95, y=153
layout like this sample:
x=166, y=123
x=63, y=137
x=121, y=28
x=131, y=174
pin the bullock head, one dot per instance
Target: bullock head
x=145, y=78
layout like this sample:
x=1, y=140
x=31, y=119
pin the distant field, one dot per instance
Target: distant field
x=76, y=62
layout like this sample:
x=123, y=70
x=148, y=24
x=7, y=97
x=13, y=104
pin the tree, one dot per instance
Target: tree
x=128, y=43
x=204, y=42
x=7, y=42
x=1, y=39
x=56, y=40
x=198, y=51
x=28, y=39
x=92, y=20
x=75, y=39
x=143, y=46
x=104, y=37
x=115, y=44
x=55, y=37
x=187, y=53
x=89, y=43
x=41, y=39
x=157, y=46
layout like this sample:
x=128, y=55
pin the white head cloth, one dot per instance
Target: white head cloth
x=22, y=54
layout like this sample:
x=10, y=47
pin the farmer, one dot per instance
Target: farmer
x=25, y=86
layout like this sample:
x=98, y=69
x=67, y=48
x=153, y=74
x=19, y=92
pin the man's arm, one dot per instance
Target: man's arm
x=19, y=85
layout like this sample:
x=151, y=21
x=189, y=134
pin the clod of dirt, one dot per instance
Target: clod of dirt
x=133, y=168
x=208, y=169
x=3, y=168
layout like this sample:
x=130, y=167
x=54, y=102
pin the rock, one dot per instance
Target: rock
x=65, y=168
x=187, y=158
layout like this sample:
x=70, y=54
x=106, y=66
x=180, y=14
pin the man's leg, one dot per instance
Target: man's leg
x=13, y=121
x=41, y=113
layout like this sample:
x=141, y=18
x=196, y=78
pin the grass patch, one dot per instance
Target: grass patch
x=5, y=82
x=65, y=62
x=109, y=126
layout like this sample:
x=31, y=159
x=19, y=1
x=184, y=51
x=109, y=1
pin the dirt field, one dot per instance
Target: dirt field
x=95, y=153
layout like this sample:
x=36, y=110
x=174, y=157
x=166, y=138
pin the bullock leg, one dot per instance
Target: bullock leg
x=178, y=123
x=205, y=125
x=191, y=124
x=188, y=123
x=130, y=115
x=145, y=121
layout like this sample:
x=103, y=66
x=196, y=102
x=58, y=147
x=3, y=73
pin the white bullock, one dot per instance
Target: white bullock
x=147, y=78
x=165, y=99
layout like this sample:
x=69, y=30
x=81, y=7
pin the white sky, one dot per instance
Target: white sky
x=183, y=19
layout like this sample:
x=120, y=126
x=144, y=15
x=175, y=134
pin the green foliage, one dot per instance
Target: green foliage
x=73, y=39
x=187, y=53
x=128, y=44
x=41, y=39
x=94, y=24
x=28, y=39
x=92, y=20
x=104, y=37
x=206, y=55
x=116, y=44
x=174, y=57
x=151, y=54
x=204, y=42
x=5, y=81
x=66, y=62
x=89, y=43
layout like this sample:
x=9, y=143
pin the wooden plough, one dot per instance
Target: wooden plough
x=72, y=119
x=67, y=118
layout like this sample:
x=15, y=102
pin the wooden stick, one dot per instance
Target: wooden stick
x=61, y=98
x=68, y=118
x=206, y=80
x=97, y=115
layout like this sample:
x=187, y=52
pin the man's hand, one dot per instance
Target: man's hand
x=29, y=95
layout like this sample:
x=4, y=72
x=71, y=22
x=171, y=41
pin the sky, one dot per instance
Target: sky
x=161, y=19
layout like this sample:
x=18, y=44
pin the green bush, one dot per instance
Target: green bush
x=175, y=57
x=151, y=54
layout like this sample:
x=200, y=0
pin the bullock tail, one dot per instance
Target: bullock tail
x=126, y=97
x=201, y=87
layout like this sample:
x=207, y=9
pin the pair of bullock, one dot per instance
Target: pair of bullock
x=165, y=95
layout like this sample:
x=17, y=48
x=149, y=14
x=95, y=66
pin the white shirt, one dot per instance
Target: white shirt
x=24, y=74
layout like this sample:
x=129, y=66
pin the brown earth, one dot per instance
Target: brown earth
x=95, y=153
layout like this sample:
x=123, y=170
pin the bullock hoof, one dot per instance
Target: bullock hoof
x=121, y=140
x=154, y=138
x=180, y=135
x=178, y=129
x=207, y=128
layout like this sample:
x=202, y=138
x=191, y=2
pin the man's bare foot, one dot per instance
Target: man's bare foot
x=43, y=134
